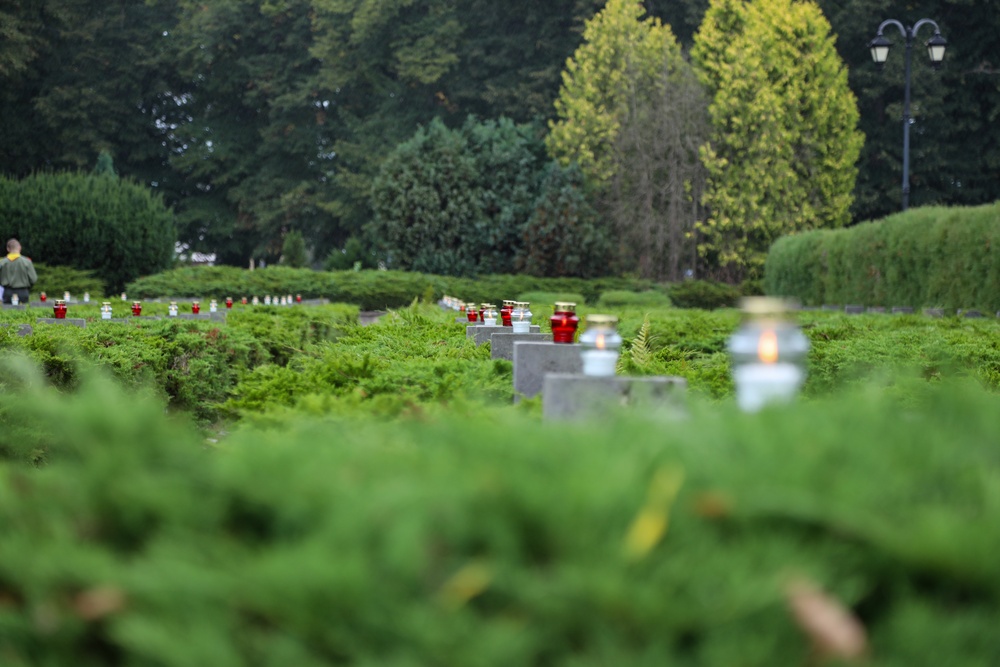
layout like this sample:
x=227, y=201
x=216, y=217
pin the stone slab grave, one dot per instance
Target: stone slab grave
x=902, y=310
x=481, y=333
x=533, y=360
x=22, y=329
x=502, y=342
x=70, y=321
x=10, y=306
x=567, y=396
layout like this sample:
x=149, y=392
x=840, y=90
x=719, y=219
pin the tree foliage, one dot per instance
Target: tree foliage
x=564, y=236
x=455, y=202
x=784, y=140
x=114, y=227
x=621, y=58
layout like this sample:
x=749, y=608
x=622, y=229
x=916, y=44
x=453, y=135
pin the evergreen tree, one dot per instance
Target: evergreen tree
x=293, y=250
x=784, y=144
x=622, y=58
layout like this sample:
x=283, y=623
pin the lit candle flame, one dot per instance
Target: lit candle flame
x=767, y=347
x=600, y=341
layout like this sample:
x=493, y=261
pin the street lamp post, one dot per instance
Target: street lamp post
x=880, y=51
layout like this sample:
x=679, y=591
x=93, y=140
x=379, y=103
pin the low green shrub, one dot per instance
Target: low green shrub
x=497, y=540
x=703, y=294
x=55, y=280
x=650, y=299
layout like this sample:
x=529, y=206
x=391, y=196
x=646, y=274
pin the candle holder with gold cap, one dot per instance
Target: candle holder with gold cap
x=768, y=354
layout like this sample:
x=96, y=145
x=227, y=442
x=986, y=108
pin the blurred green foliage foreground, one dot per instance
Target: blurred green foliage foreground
x=716, y=539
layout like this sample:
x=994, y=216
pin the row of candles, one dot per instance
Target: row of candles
x=59, y=308
x=768, y=352
x=600, y=344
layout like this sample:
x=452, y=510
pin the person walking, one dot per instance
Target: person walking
x=17, y=273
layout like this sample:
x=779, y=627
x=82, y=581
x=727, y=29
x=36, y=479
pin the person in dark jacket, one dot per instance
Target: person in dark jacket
x=17, y=273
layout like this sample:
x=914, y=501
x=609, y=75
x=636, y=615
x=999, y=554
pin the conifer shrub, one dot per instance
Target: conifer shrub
x=93, y=222
x=498, y=540
x=55, y=280
x=705, y=294
x=926, y=257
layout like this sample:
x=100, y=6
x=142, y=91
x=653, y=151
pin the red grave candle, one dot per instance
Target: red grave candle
x=564, y=322
x=472, y=313
x=195, y=307
x=43, y=296
x=136, y=309
x=59, y=309
x=229, y=302
x=298, y=298
x=505, y=310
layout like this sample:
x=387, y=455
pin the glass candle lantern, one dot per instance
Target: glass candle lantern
x=505, y=311
x=124, y=298
x=43, y=296
x=768, y=355
x=136, y=308
x=59, y=309
x=172, y=309
x=15, y=299
x=66, y=297
x=471, y=312
x=267, y=299
x=255, y=301
x=213, y=306
x=229, y=302
x=599, y=345
x=106, y=310
x=520, y=317
x=86, y=297
x=564, y=322
x=489, y=313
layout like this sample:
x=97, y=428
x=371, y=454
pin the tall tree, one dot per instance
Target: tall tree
x=628, y=111
x=85, y=76
x=655, y=194
x=622, y=57
x=254, y=151
x=784, y=140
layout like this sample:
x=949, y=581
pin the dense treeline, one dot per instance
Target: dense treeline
x=259, y=118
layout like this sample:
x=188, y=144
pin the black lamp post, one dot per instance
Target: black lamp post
x=880, y=51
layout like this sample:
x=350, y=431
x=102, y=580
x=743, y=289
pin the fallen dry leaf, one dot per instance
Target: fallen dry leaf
x=831, y=627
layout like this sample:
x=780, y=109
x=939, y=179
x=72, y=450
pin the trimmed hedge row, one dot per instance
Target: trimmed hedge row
x=370, y=290
x=927, y=257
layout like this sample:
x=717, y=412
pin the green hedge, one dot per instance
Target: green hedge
x=927, y=257
x=371, y=290
x=488, y=541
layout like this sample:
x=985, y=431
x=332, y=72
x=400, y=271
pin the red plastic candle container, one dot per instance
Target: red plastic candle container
x=229, y=302
x=472, y=313
x=243, y=301
x=59, y=309
x=298, y=298
x=564, y=322
x=43, y=296
x=195, y=307
x=505, y=310
x=136, y=308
